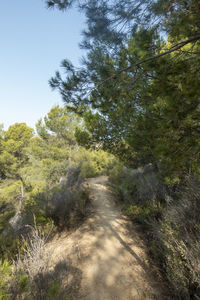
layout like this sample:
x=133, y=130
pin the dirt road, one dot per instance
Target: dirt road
x=105, y=257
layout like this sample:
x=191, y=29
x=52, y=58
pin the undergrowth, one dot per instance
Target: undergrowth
x=171, y=220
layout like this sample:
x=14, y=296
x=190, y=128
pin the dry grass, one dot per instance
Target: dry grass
x=180, y=236
x=30, y=266
x=172, y=223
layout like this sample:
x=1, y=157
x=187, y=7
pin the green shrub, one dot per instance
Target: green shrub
x=137, y=186
x=54, y=289
x=31, y=276
x=9, y=190
x=64, y=204
x=5, y=273
x=23, y=283
x=143, y=214
x=179, y=235
x=4, y=219
x=92, y=163
x=8, y=246
x=139, y=191
x=172, y=223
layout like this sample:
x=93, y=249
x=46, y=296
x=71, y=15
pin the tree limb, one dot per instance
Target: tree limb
x=172, y=49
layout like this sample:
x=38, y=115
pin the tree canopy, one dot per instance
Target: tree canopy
x=138, y=86
x=12, y=155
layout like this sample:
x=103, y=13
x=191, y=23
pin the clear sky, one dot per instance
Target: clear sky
x=33, y=42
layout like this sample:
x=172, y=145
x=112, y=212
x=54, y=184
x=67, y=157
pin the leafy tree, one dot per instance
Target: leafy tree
x=50, y=152
x=13, y=157
x=139, y=93
x=1, y=138
x=1, y=131
x=61, y=123
x=112, y=22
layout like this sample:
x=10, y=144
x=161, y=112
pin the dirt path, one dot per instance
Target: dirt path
x=105, y=257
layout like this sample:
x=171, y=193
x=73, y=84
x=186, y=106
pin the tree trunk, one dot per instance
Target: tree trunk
x=21, y=202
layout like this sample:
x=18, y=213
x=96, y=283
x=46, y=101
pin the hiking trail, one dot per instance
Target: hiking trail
x=105, y=256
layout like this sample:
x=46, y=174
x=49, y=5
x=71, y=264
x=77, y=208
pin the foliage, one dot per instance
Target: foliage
x=179, y=237
x=12, y=157
x=141, y=193
x=42, y=164
x=138, y=87
x=171, y=222
x=66, y=203
x=61, y=122
x=111, y=22
x=144, y=213
x=52, y=167
x=50, y=151
x=10, y=189
x=5, y=273
x=140, y=186
x=31, y=264
x=9, y=192
x=92, y=163
x=156, y=121
x=30, y=276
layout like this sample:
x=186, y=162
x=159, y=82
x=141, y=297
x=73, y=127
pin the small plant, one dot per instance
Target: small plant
x=23, y=283
x=31, y=263
x=5, y=273
x=54, y=289
x=143, y=214
x=32, y=260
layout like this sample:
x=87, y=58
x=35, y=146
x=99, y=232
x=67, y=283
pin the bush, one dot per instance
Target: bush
x=32, y=277
x=5, y=273
x=9, y=193
x=179, y=235
x=92, y=163
x=172, y=223
x=9, y=190
x=8, y=245
x=145, y=213
x=64, y=205
x=67, y=201
x=138, y=186
x=28, y=279
x=141, y=191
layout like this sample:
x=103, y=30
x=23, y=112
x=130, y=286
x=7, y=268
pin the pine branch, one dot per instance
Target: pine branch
x=172, y=49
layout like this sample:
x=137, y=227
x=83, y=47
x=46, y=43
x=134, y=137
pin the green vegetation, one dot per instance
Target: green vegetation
x=138, y=92
x=142, y=80
x=41, y=192
x=136, y=96
x=49, y=165
x=5, y=273
x=170, y=219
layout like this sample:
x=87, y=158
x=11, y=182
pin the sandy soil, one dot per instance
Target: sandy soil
x=105, y=257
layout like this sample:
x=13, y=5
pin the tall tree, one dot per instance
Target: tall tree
x=13, y=156
x=138, y=91
x=51, y=149
x=113, y=21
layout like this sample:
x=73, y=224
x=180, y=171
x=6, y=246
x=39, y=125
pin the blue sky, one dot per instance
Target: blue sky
x=33, y=42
